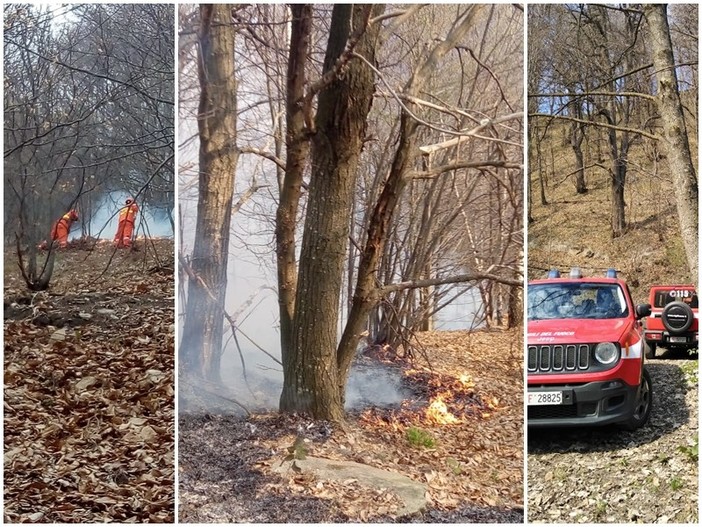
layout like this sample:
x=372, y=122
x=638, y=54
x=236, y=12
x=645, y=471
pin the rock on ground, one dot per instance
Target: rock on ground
x=412, y=493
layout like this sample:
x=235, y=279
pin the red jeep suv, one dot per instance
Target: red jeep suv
x=585, y=353
x=673, y=322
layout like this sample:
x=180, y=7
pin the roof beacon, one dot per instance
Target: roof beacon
x=611, y=273
x=575, y=273
x=554, y=273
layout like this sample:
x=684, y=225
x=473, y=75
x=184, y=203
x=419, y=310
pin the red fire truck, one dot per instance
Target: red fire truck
x=585, y=353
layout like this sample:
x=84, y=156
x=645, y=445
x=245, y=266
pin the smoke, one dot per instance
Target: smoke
x=368, y=386
x=151, y=222
x=464, y=312
x=376, y=385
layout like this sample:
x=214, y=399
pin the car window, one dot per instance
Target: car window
x=663, y=297
x=575, y=300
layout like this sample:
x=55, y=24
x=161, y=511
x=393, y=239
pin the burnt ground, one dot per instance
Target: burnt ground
x=473, y=468
x=609, y=475
x=89, y=399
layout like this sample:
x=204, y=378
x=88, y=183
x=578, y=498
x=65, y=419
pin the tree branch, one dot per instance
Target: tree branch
x=596, y=123
x=580, y=95
x=432, y=173
x=457, y=279
x=263, y=154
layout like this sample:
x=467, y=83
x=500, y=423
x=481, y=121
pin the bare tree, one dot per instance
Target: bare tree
x=201, y=345
x=675, y=132
x=88, y=110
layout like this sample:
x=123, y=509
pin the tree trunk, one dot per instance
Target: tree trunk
x=543, y=174
x=514, y=309
x=201, y=345
x=366, y=293
x=577, y=134
x=617, y=174
x=310, y=363
x=297, y=147
x=618, y=205
x=426, y=301
x=676, y=141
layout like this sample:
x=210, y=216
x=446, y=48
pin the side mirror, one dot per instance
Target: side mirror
x=643, y=310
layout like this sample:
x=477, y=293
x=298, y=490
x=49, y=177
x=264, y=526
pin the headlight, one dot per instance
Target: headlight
x=606, y=353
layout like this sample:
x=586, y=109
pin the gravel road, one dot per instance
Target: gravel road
x=611, y=476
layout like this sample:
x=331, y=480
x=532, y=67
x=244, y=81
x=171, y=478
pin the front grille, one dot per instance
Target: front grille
x=558, y=358
x=560, y=411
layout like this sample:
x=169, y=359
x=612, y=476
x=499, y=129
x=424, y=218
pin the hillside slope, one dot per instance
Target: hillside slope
x=574, y=229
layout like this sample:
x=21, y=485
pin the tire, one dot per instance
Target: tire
x=642, y=407
x=677, y=317
x=650, y=350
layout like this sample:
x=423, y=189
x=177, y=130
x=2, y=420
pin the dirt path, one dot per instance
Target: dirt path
x=612, y=476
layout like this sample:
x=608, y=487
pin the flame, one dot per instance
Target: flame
x=466, y=381
x=438, y=412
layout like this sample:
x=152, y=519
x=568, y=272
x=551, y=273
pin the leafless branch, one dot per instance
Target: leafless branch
x=598, y=123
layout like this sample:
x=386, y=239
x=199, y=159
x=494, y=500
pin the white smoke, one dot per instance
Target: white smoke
x=374, y=386
x=150, y=222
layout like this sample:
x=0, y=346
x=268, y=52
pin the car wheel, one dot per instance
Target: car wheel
x=642, y=405
x=677, y=317
x=650, y=350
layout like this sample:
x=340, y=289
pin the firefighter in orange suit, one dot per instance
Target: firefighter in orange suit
x=127, y=218
x=61, y=228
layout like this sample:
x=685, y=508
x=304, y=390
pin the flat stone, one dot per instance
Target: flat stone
x=412, y=493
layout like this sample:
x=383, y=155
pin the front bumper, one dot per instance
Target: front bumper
x=590, y=404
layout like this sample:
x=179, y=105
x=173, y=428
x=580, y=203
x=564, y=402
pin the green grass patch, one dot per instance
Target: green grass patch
x=691, y=451
x=691, y=372
x=420, y=438
x=676, y=483
x=600, y=509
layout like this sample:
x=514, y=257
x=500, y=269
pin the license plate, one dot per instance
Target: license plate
x=544, y=398
x=678, y=339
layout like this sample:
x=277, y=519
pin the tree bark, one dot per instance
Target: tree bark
x=675, y=132
x=297, y=147
x=577, y=134
x=310, y=363
x=201, y=345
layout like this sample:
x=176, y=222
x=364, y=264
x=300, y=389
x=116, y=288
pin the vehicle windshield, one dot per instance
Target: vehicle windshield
x=575, y=300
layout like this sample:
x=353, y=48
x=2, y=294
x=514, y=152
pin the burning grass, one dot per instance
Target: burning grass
x=459, y=432
x=439, y=399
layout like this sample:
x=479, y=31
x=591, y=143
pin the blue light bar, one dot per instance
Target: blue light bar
x=611, y=273
x=554, y=273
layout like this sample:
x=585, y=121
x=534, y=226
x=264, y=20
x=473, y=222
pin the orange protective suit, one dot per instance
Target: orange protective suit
x=127, y=218
x=61, y=228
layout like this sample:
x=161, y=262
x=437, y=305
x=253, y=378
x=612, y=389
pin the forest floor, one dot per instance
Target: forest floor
x=468, y=453
x=88, y=394
x=597, y=476
x=612, y=476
